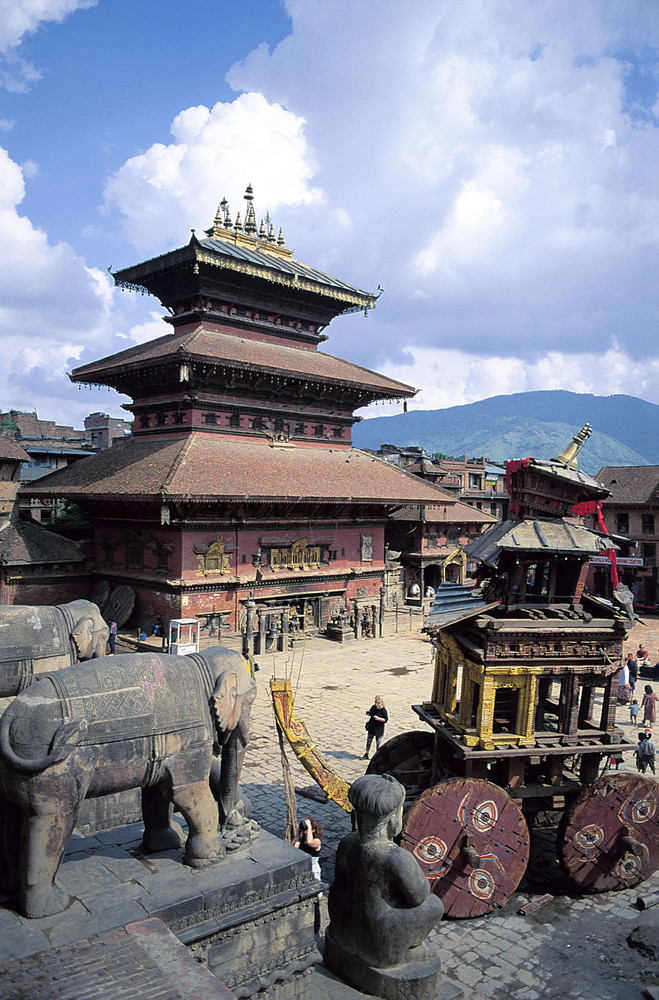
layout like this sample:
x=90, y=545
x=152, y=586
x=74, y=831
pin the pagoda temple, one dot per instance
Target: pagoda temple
x=239, y=477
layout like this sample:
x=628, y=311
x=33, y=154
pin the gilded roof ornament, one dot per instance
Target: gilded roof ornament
x=218, y=223
x=568, y=457
x=248, y=233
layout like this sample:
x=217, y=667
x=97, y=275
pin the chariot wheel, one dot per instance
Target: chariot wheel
x=101, y=594
x=120, y=604
x=408, y=757
x=472, y=843
x=608, y=837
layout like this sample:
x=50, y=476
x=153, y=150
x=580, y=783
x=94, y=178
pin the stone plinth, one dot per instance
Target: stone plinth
x=340, y=633
x=249, y=919
x=412, y=981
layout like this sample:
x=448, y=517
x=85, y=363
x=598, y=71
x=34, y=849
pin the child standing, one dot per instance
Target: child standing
x=634, y=709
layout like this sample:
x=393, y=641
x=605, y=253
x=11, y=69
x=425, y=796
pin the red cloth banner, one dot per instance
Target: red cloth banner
x=595, y=507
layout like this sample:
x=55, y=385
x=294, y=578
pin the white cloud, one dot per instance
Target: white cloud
x=52, y=306
x=499, y=180
x=22, y=17
x=452, y=377
x=166, y=190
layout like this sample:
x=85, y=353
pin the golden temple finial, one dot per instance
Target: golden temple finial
x=568, y=457
x=216, y=229
x=248, y=233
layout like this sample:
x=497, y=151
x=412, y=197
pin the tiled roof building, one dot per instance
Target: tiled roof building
x=631, y=512
x=240, y=476
x=36, y=566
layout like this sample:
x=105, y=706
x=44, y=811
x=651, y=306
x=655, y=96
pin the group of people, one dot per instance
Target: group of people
x=628, y=679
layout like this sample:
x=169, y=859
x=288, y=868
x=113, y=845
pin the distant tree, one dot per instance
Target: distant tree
x=8, y=427
x=68, y=513
x=437, y=456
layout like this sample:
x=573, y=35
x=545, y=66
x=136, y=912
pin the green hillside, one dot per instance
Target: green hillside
x=540, y=424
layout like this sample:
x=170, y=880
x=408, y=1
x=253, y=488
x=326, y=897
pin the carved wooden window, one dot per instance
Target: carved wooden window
x=319, y=430
x=144, y=419
x=257, y=424
x=161, y=419
x=298, y=556
x=163, y=552
x=338, y=432
x=210, y=418
x=299, y=428
x=179, y=417
x=212, y=558
x=134, y=554
x=109, y=546
x=234, y=420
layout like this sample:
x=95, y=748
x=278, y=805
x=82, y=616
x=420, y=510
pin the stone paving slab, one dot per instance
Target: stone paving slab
x=143, y=959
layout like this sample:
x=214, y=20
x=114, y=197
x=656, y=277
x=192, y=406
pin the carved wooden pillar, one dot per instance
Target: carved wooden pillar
x=568, y=717
x=608, y=717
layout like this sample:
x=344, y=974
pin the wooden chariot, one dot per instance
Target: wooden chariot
x=522, y=712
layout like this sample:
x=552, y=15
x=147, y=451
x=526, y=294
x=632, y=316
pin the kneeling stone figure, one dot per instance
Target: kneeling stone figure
x=380, y=906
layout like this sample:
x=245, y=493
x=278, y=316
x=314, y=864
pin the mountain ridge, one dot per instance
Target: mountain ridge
x=539, y=423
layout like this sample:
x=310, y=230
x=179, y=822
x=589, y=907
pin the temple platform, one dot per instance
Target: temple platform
x=248, y=920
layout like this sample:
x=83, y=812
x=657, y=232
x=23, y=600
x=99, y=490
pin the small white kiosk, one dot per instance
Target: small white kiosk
x=183, y=636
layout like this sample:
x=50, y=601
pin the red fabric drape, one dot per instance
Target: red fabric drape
x=595, y=507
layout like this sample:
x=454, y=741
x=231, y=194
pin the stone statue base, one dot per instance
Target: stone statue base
x=340, y=633
x=412, y=981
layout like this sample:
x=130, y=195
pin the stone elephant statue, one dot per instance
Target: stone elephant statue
x=38, y=640
x=137, y=720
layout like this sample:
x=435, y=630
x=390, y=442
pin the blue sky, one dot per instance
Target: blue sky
x=491, y=164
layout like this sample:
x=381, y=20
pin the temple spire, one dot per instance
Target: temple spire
x=569, y=456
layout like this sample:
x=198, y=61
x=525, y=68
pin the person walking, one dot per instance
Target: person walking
x=649, y=706
x=376, y=723
x=645, y=752
x=113, y=635
x=632, y=666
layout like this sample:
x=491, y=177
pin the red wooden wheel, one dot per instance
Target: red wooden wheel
x=609, y=836
x=409, y=758
x=472, y=843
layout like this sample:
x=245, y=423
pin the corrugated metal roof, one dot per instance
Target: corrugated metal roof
x=274, y=262
x=536, y=536
x=454, y=602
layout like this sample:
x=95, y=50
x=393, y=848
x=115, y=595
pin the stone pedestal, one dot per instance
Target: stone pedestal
x=340, y=633
x=413, y=981
x=249, y=919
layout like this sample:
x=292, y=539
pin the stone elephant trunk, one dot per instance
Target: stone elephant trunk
x=137, y=720
x=35, y=641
